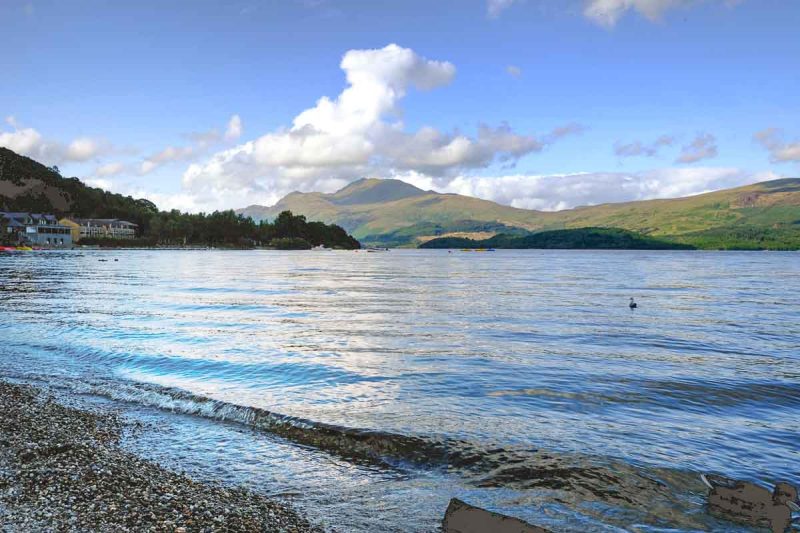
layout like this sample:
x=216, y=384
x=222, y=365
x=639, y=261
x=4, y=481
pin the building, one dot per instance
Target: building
x=36, y=229
x=100, y=228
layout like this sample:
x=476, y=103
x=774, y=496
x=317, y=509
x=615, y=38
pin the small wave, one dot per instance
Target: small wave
x=576, y=478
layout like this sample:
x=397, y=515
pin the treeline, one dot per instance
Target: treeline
x=744, y=237
x=581, y=238
x=229, y=230
x=226, y=228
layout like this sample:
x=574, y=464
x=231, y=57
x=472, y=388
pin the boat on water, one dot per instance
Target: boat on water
x=321, y=248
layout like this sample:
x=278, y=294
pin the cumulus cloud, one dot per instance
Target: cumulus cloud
x=780, y=151
x=83, y=149
x=495, y=7
x=638, y=148
x=608, y=12
x=26, y=141
x=564, y=191
x=360, y=132
x=704, y=146
x=30, y=142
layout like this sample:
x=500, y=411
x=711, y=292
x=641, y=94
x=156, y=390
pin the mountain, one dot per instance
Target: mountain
x=394, y=213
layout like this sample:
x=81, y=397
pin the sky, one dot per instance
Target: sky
x=542, y=104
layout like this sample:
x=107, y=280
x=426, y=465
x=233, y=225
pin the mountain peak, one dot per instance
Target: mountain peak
x=374, y=190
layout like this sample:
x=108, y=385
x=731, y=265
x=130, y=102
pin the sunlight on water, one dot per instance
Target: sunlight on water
x=460, y=363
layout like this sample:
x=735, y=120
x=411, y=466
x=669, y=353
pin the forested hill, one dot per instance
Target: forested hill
x=26, y=185
x=576, y=239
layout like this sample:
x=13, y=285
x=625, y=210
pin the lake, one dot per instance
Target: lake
x=369, y=388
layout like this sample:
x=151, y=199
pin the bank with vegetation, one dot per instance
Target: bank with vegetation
x=737, y=238
x=584, y=238
x=26, y=185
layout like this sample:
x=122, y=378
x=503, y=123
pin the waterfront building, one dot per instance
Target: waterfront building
x=36, y=229
x=100, y=228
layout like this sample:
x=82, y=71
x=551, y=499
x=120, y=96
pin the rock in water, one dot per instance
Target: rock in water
x=748, y=503
x=462, y=517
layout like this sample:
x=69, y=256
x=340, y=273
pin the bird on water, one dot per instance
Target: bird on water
x=633, y=305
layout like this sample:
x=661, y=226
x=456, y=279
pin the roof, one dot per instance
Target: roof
x=11, y=215
x=19, y=219
x=102, y=221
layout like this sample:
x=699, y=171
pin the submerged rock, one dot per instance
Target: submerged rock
x=462, y=517
x=748, y=503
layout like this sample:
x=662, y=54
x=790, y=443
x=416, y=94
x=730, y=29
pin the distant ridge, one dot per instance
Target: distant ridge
x=394, y=213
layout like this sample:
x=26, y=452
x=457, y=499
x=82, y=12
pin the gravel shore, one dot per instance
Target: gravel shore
x=61, y=469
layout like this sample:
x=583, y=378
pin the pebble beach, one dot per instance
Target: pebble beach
x=62, y=469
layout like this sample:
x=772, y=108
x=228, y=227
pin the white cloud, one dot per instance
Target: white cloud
x=495, y=7
x=100, y=183
x=608, y=12
x=83, y=149
x=360, y=132
x=201, y=143
x=25, y=141
x=780, y=150
x=514, y=71
x=638, y=148
x=31, y=143
x=110, y=169
x=564, y=191
x=167, y=155
x=704, y=146
x=234, y=130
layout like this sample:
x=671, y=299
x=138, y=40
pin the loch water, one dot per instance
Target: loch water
x=367, y=389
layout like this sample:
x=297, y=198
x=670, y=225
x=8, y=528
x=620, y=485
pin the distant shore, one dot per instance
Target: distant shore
x=62, y=469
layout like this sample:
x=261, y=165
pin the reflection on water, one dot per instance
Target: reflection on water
x=519, y=379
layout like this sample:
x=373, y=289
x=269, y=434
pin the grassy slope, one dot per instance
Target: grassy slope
x=731, y=213
x=762, y=204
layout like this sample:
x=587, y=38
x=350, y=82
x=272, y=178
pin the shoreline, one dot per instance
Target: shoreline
x=62, y=468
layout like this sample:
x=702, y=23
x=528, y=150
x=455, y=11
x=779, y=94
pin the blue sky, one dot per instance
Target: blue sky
x=535, y=103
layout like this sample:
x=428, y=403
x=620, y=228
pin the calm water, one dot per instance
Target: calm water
x=369, y=388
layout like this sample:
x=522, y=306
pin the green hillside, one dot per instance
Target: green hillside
x=26, y=185
x=393, y=213
x=571, y=239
